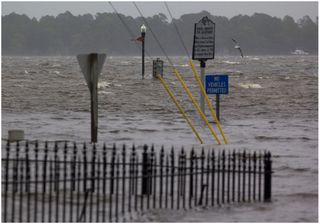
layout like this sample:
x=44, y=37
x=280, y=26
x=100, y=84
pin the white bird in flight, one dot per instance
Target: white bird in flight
x=237, y=46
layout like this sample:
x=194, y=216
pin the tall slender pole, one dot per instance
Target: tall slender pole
x=218, y=106
x=94, y=96
x=143, y=34
x=202, y=72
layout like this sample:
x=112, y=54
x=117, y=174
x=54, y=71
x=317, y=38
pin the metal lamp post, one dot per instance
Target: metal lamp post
x=143, y=29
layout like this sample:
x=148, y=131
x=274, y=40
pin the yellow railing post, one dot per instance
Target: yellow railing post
x=196, y=104
x=179, y=108
x=207, y=100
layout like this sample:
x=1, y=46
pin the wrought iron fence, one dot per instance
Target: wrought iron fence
x=43, y=184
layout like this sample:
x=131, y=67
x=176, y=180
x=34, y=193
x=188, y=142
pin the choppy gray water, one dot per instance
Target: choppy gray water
x=272, y=104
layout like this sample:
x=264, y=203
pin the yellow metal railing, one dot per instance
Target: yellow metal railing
x=179, y=108
x=203, y=116
x=196, y=75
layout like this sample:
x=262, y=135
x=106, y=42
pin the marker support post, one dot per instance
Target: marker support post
x=218, y=106
x=202, y=72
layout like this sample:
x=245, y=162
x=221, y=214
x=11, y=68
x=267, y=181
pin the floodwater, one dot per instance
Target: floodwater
x=272, y=105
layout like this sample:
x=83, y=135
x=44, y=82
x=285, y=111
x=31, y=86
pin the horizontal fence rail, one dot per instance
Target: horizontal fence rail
x=64, y=183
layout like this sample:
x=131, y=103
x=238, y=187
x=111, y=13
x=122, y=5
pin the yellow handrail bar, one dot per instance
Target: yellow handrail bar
x=196, y=104
x=196, y=75
x=179, y=108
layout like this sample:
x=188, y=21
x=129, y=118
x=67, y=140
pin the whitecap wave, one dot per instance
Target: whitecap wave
x=103, y=84
x=106, y=92
x=250, y=85
x=232, y=62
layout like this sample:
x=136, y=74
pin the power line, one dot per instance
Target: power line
x=153, y=34
x=177, y=30
x=128, y=29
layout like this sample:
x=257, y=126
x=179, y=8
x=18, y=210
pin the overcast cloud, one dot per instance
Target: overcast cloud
x=229, y=9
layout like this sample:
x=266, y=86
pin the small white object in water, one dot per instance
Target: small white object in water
x=250, y=85
x=103, y=84
x=26, y=72
x=232, y=62
x=106, y=93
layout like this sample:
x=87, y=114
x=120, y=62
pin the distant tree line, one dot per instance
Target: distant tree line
x=67, y=34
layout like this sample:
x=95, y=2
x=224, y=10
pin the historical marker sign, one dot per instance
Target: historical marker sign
x=217, y=84
x=204, y=40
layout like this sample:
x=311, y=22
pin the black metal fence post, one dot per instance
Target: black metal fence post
x=6, y=182
x=267, y=177
x=244, y=159
x=145, y=171
x=104, y=182
x=172, y=177
x=213, y=166
x=123, y=179
x=161, y=176
x=191, y=177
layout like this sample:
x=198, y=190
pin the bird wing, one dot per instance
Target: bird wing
x=234, y=41
x=240, y=52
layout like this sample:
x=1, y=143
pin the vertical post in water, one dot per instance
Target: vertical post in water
x=202, y=72
x=91, y=66
x=218, y=106
x=94, y=96
x=203, y=48
x=143, y=34
x=143, y=58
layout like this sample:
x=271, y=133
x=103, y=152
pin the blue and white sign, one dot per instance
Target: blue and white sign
x=217, y=84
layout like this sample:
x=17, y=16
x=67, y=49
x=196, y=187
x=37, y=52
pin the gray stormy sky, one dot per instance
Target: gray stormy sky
x=229, y=9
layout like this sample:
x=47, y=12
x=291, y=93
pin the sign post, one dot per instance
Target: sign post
x=91, y=66
x=203, y=47
x=217, y=84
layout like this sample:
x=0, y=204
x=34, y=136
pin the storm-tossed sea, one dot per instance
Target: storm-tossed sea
x=272, y=105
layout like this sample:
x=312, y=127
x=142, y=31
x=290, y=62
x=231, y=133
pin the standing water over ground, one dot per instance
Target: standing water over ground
x=272, y=104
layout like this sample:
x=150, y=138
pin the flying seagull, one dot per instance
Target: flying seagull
x=236, y=46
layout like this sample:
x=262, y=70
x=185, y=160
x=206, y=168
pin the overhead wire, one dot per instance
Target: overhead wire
x=153, y=34
x=177, y=30
x=128, y=29
x=179, y=77
x=197, y=77
x=165, y=85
